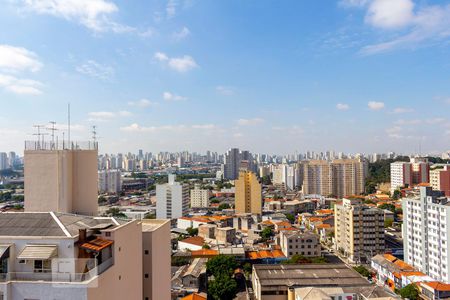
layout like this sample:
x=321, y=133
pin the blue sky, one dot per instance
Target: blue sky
x=268, y=76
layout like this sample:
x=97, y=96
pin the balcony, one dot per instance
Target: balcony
x=58, y=276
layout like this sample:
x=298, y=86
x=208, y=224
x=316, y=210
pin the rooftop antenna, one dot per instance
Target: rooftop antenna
x=94, y=133
x=68, y=123
x=38, y=134
x=52, y=129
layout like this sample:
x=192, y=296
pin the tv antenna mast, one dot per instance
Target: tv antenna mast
x=39, y=134
x=94, y=133
x=52, y=129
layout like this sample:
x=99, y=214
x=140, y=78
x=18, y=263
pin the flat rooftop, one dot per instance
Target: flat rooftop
x=153, y=224
x=307, y=275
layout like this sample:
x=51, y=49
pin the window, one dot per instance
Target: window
x=146, y=252
x=42, y=266
x=146, y=275
x=108, y=234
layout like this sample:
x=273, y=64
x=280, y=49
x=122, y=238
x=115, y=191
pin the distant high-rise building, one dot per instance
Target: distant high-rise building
x=416, y=171
x=109, y=181
x=426, y=223
x=248, y=197
x=340, y=177
x=12, y=159
x=359, y=230
x=172, y=199
x=61, y=180
x=231, y=164
x=3, y=161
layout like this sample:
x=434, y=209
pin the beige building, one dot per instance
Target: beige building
x=200, y=197
x=248, y=193
x=301, y=243
x=156, y=259
x=340, y=177
x=359, y=230
x=61, y=180
x=225, y=235
x=46, y=255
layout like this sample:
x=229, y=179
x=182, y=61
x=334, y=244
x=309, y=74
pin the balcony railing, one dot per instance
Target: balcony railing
x=57, y=276
x=60, y=145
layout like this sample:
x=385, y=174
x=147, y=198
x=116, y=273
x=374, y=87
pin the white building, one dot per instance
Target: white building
x=200, y=197
x=109, y=181
x=409, y=173
x=172, y=199
x=300, y=243
x=426, y=223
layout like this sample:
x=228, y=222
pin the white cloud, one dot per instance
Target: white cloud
x=225, y=90
x=373, y=105
x=182, y=34
x=15, y=59
x=172, y=97
x=342, y=106
x=425, y=26
x=179, y=64
x=353, y=3
x=148, y=33
x=408, y=122
x=390, y=14
x=135, y=127
x=102, y=116
x=435, y=121
x=250, y=122
x=402, y=110
x=95, y=69
x=93, y=14
x=143, y=103
x=20, y=86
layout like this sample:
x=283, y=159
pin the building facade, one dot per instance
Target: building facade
x=426, y=223
x=200, y=197
x=248, y=197
x=172, y=199
x=109, y=181
x=359, y=230
x=306, y=244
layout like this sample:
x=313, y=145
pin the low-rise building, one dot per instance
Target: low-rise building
x=300, y=243
x=225, y=235
x=191, y=243
x=200, y=197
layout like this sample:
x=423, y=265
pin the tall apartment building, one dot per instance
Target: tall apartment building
x=61, y=179
x=172, y=199
x=48, y=255
x=426, y=223
x=248, y=197
x=109, y=181
x=409, y=173
x=340, y=177
x=359, y=230
x=200, y=197
x=233, y=161
x=3, y=161
x=440, y=178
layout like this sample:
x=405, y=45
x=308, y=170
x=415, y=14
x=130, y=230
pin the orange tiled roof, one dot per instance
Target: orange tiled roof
x=325, y=212
x=204, y=253
x=194, y=296
x=403, y=265
x=97, y=244
x=265, y=254
x=390, y=257
x=438, y=286
x=194, y=240
x=320, y=226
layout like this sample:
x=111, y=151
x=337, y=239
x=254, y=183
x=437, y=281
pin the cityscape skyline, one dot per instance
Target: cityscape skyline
x=150, y=76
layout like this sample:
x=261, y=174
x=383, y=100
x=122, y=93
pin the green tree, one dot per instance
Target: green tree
x=410, y=291
x=192, y=231
x=115, y=212
x=362, y=270
x=222, y=288
x=290, y=217
x=223, y=206
x=179, y=261
x=247, y=267
x=206, y=246
x=214, y=200
x=266, y=180
x=388, y=223
x=396, y=195
x=387, y=206
x=266, y=233
x=149, y=216
x=221, y=264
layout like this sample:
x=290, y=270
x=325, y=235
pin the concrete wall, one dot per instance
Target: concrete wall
x=124, y=279
x=61, y=181
x=156, y=263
